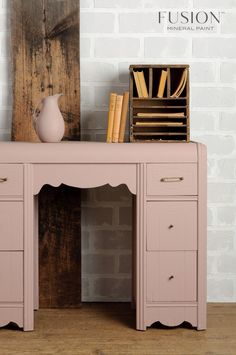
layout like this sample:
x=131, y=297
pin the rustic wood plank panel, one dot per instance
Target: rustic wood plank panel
x=46, y=61
x=59, y=247
x=45, y=53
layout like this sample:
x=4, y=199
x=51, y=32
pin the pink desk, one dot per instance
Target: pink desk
x=169, y=182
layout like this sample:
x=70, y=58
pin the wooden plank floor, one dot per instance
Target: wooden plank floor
x=104, y=329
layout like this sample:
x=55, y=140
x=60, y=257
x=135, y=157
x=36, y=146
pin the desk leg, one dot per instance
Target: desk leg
x=133, y=300
x=140, y=247
x=36, y=255
x=202, y=238
x=28, y=248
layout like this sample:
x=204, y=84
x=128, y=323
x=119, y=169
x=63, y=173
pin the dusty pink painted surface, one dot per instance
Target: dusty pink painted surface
x=95, y=152
x=202, y=237
x=171, y=225
x=172, y=179
x=171, y=276
x=11, y=276
x=84, y=175
x=11, y=178
x=11, y=225
x=169, y=181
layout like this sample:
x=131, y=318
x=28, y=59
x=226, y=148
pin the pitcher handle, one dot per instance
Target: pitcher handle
x=35, y=115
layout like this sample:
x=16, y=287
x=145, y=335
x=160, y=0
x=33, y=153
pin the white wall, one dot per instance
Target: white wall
x=114, y=34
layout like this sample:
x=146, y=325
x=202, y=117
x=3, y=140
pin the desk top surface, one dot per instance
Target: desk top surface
x=96, y=152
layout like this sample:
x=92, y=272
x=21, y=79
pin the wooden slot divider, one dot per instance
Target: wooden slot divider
x=171, y=120
x=159, y=98
x=131, y=85
x=159, y=106
x=158, y=124
x=188, y=107
x=159, y=133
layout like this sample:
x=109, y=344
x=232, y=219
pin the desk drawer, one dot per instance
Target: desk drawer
x=172, y=179
x=11, y=276
x=11, y=180
x=172, y=225
x=11, y=225
x=171, y=276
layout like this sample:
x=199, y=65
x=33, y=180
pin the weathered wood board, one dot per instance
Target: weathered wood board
x=60, y=247
x=46, y=61
x=45, y=53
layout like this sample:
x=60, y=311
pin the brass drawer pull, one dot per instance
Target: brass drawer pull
x=171, y=277
x=171, y=226
x=3, y=180
x=172, y=179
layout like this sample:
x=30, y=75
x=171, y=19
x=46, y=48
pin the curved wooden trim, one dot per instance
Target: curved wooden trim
x=171, y=316
x=174, y=324
x=11, y=315
x=84, y=175
x=86, y=186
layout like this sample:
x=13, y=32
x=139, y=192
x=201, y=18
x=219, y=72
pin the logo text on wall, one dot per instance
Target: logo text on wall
x=190, y=21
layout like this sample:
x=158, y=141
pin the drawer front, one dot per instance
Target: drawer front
x=171, y=276
x=11, y=276
x=11, y=180
x=172, y=179
x=172, y=225
x=11, y=225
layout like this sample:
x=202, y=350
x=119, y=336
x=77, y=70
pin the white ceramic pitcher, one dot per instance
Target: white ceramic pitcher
x=49, y=123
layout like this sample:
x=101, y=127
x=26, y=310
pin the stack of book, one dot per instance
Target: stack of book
x=117, y=117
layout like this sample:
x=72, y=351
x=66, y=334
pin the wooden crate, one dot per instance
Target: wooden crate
x=158, y=128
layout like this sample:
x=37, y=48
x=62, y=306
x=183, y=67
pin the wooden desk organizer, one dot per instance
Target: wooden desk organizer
x=159, y=126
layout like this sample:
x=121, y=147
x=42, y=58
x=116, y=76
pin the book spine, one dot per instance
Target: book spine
x=111, y=115
x=124, y=113
x=162, y=84
x=138, y=85
x=117, y=119
x=143, y=84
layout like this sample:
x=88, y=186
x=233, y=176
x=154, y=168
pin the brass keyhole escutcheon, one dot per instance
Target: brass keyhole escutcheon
x=171, y=226
x=171, y=277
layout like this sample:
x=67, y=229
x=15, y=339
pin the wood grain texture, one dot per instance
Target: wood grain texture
x=59, y=247
x=45, y=53
x=108, y=329
x=46, y=61
x=159, y=108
